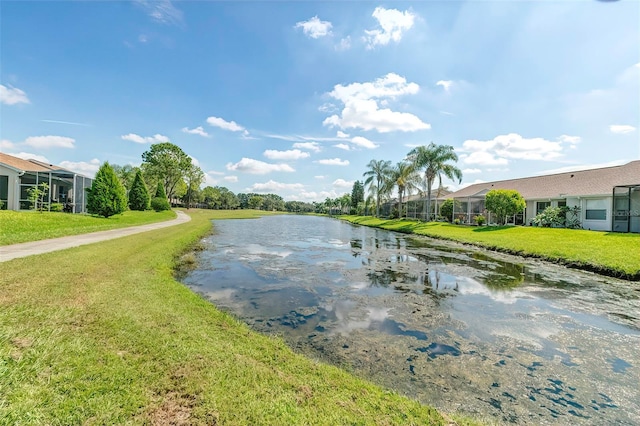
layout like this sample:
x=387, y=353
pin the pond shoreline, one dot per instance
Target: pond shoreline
x=573, y=264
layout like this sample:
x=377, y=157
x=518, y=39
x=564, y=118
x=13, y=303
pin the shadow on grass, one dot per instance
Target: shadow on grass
x=494, y=228
x=622, y=234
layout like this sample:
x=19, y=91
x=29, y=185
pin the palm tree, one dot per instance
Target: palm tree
x=433, y=159
x=377, y=174
x=404, y=177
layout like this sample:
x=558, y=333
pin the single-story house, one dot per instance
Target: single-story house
x=608, y=197
x=17, y=176
x=413, y=204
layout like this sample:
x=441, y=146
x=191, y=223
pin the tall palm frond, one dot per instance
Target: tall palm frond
x=433, y=159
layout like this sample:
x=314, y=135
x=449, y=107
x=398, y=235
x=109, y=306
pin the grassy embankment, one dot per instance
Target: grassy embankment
x=20, y=227
x=103, y=334
x=608, y=253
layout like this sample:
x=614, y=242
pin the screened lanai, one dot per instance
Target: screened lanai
x=63, y=189
x=626, y=208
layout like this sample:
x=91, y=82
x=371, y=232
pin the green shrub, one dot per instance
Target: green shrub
x=480, y=220
x=446, y=208
x=139, y=194
x=56, y=207
x=107, y=195
x=456, y=221
x=160, y=204
x=503, y=203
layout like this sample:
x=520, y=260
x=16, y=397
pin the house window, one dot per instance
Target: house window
x=596, y=210
x=541, y=205
x=4, y=192
x=562, y=204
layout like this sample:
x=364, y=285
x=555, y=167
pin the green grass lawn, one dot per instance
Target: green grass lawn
x=23, y=226
x=104, y=334
x=607, y=252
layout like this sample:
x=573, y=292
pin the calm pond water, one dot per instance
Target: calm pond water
x=481, y=333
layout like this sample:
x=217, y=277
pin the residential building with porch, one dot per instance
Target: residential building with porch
x=413, y=205
x=17, y=176
x=608, y=197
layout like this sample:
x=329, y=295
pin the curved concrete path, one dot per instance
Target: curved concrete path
x=15, y=251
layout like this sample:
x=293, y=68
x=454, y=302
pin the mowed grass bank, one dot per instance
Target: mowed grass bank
x=23, y=226
x=103, y=334
x=608, y=253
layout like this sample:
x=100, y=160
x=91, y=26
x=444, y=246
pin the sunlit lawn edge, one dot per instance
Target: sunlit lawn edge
x=607, y=253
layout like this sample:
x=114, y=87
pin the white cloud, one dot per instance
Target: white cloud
x=327, y=107
x=257, y=167
x=273, y=186
x=231, y=178
x=311, y=146
x=315, y=28
x=342, y=134
x=6, y=144
x=161, y=11
x=345, y=44
x=292, y=154
x=499, y=150
x=88, y=169
x=197, y=131
x=44, y=142
x=571, y=140
x=30, y=156
x=343, y=146
x=484, y=159
x=341, y=183
x=12, y=95
x=363, y=142
x=362, y=109
x=333, y=162
x=142, y=38
x=215, y=173
x=621, y=128
x=446, y=84
x=157, y=138
x=226, y=125
x=393, y=24
x=319, y=177
x=471, y=171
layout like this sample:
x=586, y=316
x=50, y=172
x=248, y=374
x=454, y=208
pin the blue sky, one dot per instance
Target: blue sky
x=297, y=97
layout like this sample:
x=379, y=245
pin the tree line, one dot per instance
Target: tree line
x=176, y=179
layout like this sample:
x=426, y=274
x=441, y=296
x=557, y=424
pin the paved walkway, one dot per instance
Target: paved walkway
x=15, y=251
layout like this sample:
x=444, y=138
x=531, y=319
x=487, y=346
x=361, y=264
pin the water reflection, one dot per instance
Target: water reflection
x=518, y=340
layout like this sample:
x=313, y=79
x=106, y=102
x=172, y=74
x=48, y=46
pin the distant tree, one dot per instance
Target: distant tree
x=211, y=197
x=357, y=193
x=503, y=203
x=193, y=178
x=376, y=176
x=139, y=197
x=345, y=203
x=107, y=196
x=166, y=163
x=160, y=192
x=160, y=202
x=126, y=174
x=255, y=202
x=433, y=159
x=404, y=177
x=243, y=200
